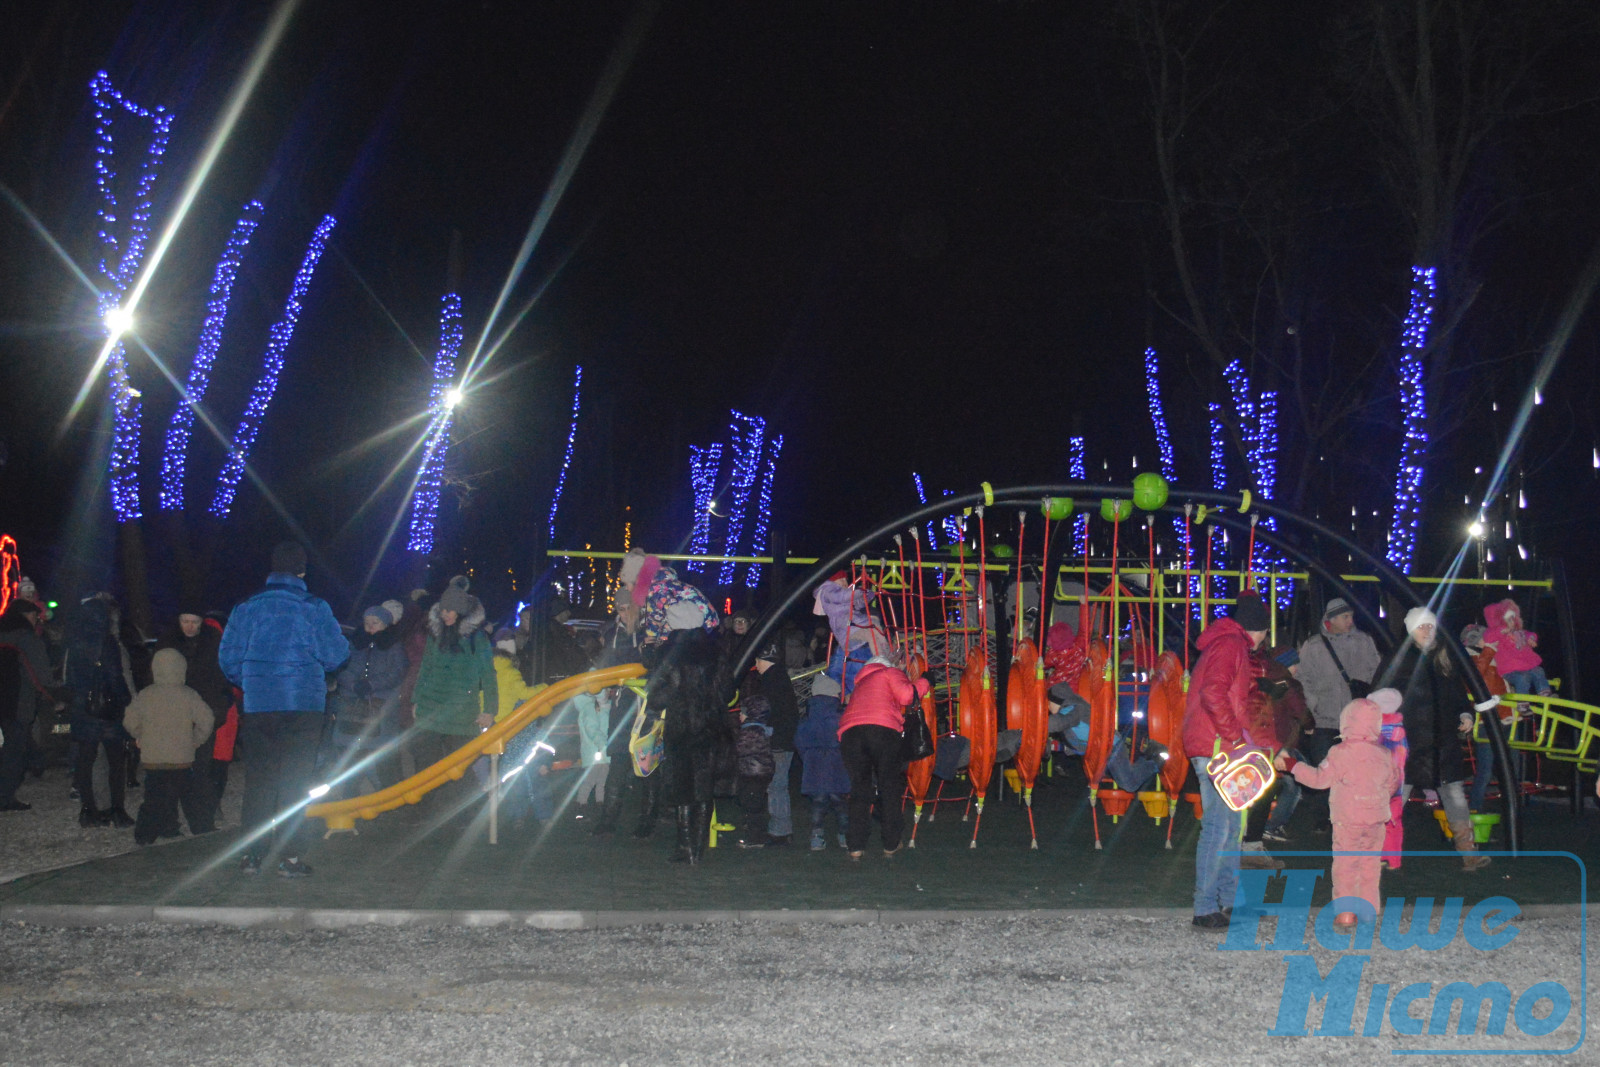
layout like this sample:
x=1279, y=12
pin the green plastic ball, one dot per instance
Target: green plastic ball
x=1002, y=552
x=1056, y=508
x=1149, y=491
x=1115, y=510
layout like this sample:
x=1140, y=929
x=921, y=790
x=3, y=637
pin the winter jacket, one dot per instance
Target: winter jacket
x=204, y=669
x=1219, y=688
x=822, y=770
x=370, y=681
x=1434, y=699
x=1359, y=772
x=279, y=647
x=671, y=604
x=167, y=718
x=1326, y=692
x=511, y=691
x=96, y=670
x=457, y=683
x=33, y=666
x=784, y=711
x=1513, y=646
x=880, y=698
x=848, y=617
x=1275, y=711
x=755, y=751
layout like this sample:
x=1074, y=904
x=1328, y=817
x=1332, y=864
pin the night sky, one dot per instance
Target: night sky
x=912, y=236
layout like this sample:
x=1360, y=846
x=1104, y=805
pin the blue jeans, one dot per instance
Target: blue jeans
x=1216, y=876
x=1288, y=798
x=1129, y=775
x=780, y=821
x=843, y=673
x=838, y=804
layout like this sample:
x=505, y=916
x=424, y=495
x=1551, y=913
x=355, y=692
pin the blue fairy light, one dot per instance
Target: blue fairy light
x=255, y=410
x=746, y=451
x=1076, y=467
x=704, y=463
x=758, y=543
x=566, y=459
x=119, y=264
x=425, y=501
x=1402, y=543
x=174, y=459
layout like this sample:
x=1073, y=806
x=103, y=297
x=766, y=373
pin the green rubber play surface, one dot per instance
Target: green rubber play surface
x=400, y=862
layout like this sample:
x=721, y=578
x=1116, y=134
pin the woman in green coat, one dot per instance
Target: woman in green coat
x=456, y=696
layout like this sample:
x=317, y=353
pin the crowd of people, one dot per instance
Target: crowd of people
x=307, y=708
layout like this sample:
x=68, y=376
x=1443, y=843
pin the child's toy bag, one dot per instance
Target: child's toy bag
x=1241, y=774
x=645, y=743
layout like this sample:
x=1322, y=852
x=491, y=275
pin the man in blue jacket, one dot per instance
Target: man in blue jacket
x=278, y=647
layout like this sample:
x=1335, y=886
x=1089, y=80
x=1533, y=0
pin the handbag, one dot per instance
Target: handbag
x=645, y=742
x=1358, y=688
x=916, y=742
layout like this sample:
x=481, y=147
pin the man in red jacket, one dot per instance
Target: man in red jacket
x=1215, y=714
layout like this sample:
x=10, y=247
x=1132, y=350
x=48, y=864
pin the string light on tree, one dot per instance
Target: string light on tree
x=1076, y=467
x=280, y=335
x=175, y=456
x=1402, y=541
x=704, y=463
x=119, y=264
x=566, y=460
x=922, y=498
x=746, y=457
x=441, y=411
x=758, y=543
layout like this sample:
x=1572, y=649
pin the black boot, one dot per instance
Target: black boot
x=119, y=818
x=700, y=832
x=611, y=812
x=90, y=816
x=682, y=853
x=649, y=809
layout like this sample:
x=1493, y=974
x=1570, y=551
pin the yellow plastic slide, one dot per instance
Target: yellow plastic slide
x=342, y=814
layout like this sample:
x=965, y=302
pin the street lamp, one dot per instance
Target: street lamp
x=118, y=320
x=452, y=397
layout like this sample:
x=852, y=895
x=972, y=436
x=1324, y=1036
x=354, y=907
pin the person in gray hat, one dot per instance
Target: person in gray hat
x=1337, y=665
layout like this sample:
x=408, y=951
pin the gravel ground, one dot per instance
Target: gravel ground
x=49, y=836
x=1098, y=988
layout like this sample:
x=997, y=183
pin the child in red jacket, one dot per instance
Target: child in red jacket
x=1360, y=776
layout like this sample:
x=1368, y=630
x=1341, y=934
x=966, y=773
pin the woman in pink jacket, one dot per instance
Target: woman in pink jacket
x=1360, y=776
x=869, y=741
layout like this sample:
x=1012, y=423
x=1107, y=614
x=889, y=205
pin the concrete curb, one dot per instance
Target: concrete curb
x=345, y=918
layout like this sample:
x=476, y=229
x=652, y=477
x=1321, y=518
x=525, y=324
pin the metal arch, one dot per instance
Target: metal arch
x=1390, y=578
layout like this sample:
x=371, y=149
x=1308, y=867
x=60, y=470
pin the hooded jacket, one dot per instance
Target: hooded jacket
x=167, y=718
x=279, y=647
x=669, y=603
x=846, y=608
x=1359, y=772
x=1219, y=689
x=204, y=669
x=1513, y=646
x=370, y=681
x=880, y=698
x=457, y=681
x=822, y=770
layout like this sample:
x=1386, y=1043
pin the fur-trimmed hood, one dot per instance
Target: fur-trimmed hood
x=466, y=625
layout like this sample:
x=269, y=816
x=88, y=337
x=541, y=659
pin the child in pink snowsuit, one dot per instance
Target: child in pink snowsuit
x=1394, y=739
x=1361, y=777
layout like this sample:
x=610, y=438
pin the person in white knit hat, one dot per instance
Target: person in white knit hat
x=1437, y=711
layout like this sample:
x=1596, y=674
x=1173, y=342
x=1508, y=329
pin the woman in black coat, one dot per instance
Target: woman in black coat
x=689, y=686
x=1437, y=710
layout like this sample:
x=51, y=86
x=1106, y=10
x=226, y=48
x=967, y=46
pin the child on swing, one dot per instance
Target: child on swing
x=1361, y=776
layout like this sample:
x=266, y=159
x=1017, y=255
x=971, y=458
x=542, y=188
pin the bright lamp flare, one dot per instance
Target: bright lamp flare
x=453, y=397
x=1475, y=528
x=118, y=320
